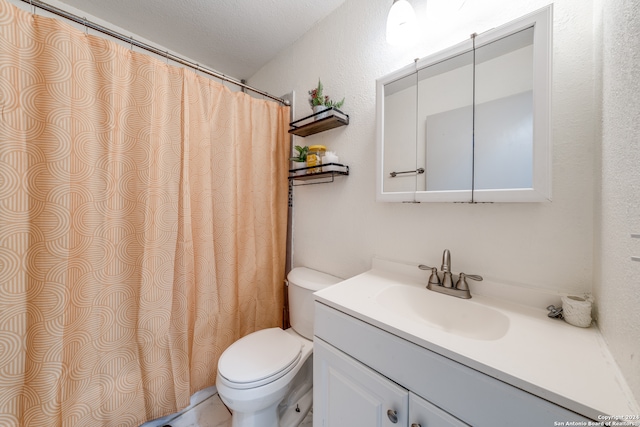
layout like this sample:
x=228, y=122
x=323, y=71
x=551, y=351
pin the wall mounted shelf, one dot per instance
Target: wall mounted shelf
x=312, y=124
x=301, y=176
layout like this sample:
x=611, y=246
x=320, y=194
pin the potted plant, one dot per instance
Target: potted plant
x=319, y=101
x=300, y=160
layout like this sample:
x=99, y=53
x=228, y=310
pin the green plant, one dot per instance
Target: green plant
x=302, y=154
x=335, y=104
x=317, y=97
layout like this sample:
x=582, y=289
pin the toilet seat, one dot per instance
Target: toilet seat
x=259, y=358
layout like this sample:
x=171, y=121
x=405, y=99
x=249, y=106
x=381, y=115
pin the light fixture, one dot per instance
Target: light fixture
x=401, y=23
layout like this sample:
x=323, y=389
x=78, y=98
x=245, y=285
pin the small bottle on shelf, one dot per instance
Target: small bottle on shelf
x=314, y=157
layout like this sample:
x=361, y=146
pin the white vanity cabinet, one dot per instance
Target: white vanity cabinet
x=362, y=372
x=351, y=394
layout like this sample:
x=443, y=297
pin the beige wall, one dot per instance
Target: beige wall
x=579, y=242
x=617, y=284
x=339, y=227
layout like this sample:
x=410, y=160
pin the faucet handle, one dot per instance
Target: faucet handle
x=462, y=281
x=434, y=279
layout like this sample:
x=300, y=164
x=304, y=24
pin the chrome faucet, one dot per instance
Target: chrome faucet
x=461, y=288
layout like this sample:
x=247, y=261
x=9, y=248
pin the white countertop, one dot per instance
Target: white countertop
x=549, y=358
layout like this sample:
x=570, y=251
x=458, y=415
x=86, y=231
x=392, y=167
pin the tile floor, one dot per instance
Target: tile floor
x=206, y=410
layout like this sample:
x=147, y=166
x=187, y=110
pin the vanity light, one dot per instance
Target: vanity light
x=401, y=23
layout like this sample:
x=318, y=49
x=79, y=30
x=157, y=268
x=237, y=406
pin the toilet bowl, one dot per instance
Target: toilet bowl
x=265, y=378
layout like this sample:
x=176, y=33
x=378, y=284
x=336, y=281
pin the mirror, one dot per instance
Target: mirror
x=503, y=137
x=470, y=123
x=445, y=115
x=400, y=133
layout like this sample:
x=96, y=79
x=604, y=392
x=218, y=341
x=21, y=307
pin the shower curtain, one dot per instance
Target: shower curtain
x=142, y=226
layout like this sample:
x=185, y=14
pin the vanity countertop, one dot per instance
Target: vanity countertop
x=569, y=366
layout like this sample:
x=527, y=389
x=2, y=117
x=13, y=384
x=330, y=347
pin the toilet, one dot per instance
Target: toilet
x=265, y=378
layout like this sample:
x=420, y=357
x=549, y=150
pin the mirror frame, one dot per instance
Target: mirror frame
x=542, y=21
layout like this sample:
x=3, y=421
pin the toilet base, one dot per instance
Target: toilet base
x=273, y=404
x=292, y=416
x=277, y=415
x=266, y=417
x=282, y=412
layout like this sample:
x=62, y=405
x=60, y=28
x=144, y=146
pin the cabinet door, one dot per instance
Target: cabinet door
x=425, y=414
x=397, y=170
x=445, y=129
x=347, y=393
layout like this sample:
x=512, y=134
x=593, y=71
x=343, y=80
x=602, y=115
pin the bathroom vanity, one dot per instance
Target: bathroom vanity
x=387, y=352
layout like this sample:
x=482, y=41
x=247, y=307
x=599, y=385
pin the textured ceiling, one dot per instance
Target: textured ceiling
x=234, y=37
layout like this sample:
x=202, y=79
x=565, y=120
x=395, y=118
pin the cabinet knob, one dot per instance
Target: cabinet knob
x=393, y=415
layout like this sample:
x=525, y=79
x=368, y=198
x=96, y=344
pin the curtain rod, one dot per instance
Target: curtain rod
x=149, y=48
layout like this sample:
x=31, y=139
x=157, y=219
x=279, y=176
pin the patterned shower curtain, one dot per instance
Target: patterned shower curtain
x=142, y=226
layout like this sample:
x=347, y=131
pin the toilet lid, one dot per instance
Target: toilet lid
x=260, y=358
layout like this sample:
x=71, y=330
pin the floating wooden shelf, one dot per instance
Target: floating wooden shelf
x=309, y=125
x=322, y=177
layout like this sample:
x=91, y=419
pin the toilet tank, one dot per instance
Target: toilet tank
x=303, y=282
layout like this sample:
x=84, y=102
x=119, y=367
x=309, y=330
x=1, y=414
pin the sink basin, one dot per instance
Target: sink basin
x=450, y=314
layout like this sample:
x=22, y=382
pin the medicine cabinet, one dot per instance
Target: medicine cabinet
x=470, y=123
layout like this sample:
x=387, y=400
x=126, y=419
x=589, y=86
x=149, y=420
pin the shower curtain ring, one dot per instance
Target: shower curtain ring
x=84, y=21
x=33, y=6
x=131, y=41
x=167, y=57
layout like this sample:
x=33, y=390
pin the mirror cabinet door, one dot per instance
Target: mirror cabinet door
x=512, y=158
x=399, y=138
x=503, y=157
x=445, y=129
